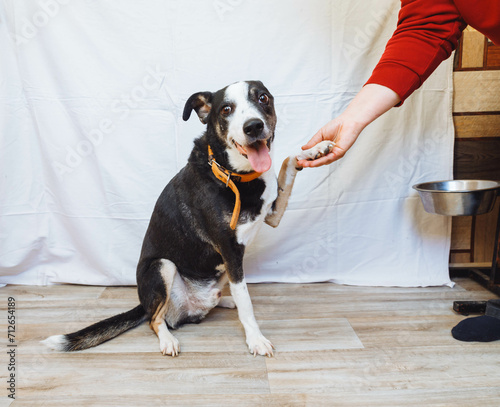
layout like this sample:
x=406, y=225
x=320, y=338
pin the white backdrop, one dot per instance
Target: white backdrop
x=91, y=95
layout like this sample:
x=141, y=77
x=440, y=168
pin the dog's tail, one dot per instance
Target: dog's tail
x=98, y=333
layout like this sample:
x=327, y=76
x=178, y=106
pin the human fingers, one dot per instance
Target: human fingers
x=334, y=155
x=329, y=131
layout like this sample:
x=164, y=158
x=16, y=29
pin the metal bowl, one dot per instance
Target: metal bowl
x=458, y=197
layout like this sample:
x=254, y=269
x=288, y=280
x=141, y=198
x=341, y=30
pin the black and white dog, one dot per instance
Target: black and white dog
x=204, y=219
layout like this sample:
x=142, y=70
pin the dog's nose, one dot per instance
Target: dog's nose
x=253, y=127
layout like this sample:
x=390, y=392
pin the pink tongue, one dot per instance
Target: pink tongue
x=258, y=155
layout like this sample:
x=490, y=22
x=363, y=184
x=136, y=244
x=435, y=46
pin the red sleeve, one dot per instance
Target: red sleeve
x=426, y=35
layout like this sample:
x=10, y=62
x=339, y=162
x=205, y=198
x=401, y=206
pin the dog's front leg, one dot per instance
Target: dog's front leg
x=257, y=343
x=232, y=256
x=286, y=178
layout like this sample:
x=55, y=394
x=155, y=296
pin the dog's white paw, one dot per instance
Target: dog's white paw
x=226, y=302
x=169, y=345
x=319, y=150
x=260, y=345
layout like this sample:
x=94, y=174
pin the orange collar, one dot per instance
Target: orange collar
x=229, y=178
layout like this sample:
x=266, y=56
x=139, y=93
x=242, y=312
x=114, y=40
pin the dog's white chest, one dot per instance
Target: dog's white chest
x=246, y=232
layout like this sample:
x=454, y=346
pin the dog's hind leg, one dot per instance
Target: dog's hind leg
x=226, y=302
x=169, y=345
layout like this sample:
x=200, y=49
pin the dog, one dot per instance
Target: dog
x=203, y=220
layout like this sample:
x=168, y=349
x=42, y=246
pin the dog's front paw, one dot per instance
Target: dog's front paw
x=169, y=345
x=260, y=345
x=319, y=150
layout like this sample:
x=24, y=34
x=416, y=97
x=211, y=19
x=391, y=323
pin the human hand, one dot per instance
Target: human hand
x=342, y=131
x=371, y=102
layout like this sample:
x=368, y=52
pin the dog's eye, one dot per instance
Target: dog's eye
x=264, y=99
x=226, y=110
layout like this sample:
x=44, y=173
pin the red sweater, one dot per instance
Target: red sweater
x=426, y=35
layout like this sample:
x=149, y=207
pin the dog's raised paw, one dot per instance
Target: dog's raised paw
x=170, y=346
x=319, y=150
x=260, y=345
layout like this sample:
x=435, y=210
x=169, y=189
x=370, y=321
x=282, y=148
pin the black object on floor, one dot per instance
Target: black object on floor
x=469, y=307
x=485, y=328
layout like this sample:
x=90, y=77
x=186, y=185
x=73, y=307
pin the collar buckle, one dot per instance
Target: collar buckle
x=227, y=173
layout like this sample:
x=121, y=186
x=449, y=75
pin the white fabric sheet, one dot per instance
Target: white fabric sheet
x=91, y=96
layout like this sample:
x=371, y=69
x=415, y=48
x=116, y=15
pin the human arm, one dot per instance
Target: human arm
x=427, y=33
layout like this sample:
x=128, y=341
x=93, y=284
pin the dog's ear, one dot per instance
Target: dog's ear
x=201, y=102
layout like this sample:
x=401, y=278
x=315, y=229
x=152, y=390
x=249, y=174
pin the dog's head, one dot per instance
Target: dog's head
x=243, y=119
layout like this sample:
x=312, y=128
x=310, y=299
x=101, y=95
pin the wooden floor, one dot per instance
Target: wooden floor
x=336, y=346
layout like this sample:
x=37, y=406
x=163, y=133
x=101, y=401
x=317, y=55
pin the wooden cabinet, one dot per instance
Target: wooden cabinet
x=476, y=115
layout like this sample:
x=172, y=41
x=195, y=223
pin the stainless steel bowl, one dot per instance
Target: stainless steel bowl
x=458, y=197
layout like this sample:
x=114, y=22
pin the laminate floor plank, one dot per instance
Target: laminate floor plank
x=62, y=292
x=482, y=396
x=142, y=374
x=386, y=369
x=293, y=335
